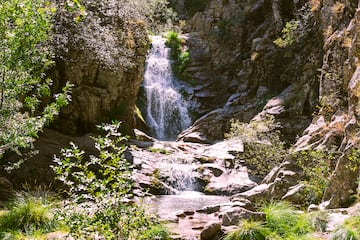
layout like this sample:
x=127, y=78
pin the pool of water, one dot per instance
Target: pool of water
x=164, y=205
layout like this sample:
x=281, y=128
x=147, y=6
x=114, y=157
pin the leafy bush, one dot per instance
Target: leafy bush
x=182, y=63
x=180, y=54
x=157, y=14
x=155, y=232
x=100, y=190
x=25, y=26
x=107, y=174
x=173, y=42
x=28, y=215
x=317, y=166
x=288, y=36
x=263, y=147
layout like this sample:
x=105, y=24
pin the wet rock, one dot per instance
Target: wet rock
x=180, y=214
x=211, y=231
x=230, y=182
x=209, y=209
x=235, y=214
x=313, y=208
x=189, y=212
x=141, y=136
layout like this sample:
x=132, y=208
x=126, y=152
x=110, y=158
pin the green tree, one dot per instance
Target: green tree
x=25, y=56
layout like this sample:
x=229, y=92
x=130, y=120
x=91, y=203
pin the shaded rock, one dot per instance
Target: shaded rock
x=259, y=192
x=106, y=67
x=209, y=209
x=6, y=189
x=234, y=215
x=180, y=214
x=210, y=231
x=141, y=136
x=295, y=194
x=213, y=168
x=343, y=182
x=244, y=203
x=189, y=212
x=36, y=171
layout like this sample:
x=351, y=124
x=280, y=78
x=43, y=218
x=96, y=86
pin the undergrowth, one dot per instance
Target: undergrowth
x=100, y=192
x=282, y=222
x=28, y=216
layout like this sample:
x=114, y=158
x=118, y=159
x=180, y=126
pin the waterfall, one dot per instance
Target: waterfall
x=166, y=111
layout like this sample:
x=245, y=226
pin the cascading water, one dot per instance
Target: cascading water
x=166, y=112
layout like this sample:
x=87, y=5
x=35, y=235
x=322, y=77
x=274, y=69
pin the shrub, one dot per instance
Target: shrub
x=28, y=215
x=25, y=56
x=289, y=34
x=174, y=43
x=344, y=233
x=263, y=147
x=155, y=232
x=180, y=54
x=100, y=189
x=317, y=166
x=183, y=62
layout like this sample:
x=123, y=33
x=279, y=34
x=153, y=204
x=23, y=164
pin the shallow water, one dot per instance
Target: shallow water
x=165, y=205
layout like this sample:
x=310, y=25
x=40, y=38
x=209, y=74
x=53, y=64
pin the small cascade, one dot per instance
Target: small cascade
x=181, y=174
x=166, y=111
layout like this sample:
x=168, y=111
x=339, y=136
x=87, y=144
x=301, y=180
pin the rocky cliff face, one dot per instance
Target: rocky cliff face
x=308, y=80
x=103, y=56
x=237, y=68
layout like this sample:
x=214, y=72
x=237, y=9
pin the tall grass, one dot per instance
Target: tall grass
x=249, y=230
x=28, y=215
x=283, y=221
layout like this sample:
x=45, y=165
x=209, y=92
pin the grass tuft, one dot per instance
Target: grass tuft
x=249, y=230
x=28, y=215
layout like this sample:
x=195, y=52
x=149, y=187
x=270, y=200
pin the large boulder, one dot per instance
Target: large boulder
x=36, y=171
x=103, y=56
